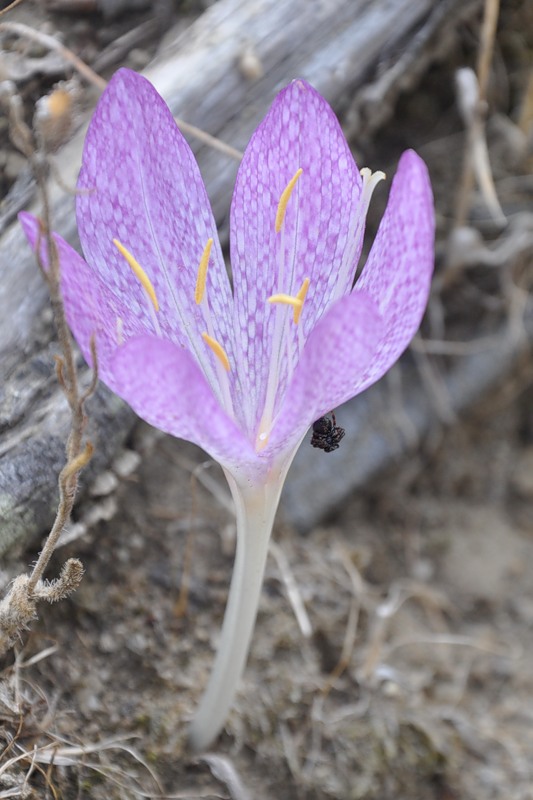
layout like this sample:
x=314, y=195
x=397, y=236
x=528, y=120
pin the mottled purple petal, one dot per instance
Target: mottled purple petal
x=300, y=130
x=140, y=183
x=163, y=384
x=90, y=307
x=337, y=352
x=398, y=271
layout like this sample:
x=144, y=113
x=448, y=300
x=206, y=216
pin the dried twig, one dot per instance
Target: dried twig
x=10, y=7
x=51, y=43
x=18, y=608
x=223, y=769
x=210, y=141
x=473, y=103
x=525, y=117
x=486, y=46
x=291, y=588
x=350, y=634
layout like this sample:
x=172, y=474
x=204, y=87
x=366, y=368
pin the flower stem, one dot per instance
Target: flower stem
x=255, y=510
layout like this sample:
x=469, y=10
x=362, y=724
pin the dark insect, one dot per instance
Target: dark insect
x=327, y=434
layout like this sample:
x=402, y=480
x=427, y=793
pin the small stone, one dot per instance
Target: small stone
x=104, y=485
x=103, y=510
x=107, y=643
x=250, y=65
x=138, y=58
x=126, y=463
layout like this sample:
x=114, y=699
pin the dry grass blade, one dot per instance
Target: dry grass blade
x=224, y=770
x=472, y=102
x=350, y=634
x=291, y=587
x=50, y=43
x=10, y=7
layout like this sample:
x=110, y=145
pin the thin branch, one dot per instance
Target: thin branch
x=291, y=587
x=474, y=117
x=486, y=46
x=210, y=141
x=18, y=608
x=10, y=7
x=51, y=43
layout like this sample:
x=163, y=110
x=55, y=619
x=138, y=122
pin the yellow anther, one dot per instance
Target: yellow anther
x=202, y=273
x=218, y=350
x=140, y=274
x=284, y=199
x=301, y=296
x=287, y=300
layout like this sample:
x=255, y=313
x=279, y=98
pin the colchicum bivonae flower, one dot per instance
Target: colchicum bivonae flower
x=241, y=370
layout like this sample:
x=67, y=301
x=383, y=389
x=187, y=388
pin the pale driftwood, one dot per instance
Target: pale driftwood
x=345, y=48
x=387, y=422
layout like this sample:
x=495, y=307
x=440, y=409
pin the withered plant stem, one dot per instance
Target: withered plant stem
x=77, y=453
x=10, y=7
x=45, y=40
x=77, y=456
x=486, y=49
x=486, y=46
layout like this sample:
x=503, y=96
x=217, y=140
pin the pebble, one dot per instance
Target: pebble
x=105, y=483
x=126, y=463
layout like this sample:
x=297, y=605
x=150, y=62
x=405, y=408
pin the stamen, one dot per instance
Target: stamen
x=370, y=181
x=302, y=293
x=296, y=302
x=202, y=273
x=286, y=300
x=218, y=350
x=284, y=200
x=140, y=274
x=348, y=266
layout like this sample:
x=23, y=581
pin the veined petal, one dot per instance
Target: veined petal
x=163, y=384
x=140, y=184
x=337, y=352
x=91, y=308
x=299, y=132
x=398, y=270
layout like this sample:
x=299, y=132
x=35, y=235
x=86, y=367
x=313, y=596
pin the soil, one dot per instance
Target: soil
x=416, y=680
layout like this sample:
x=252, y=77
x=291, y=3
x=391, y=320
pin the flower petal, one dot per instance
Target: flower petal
x=398, y=270
x=319, y=233
x=165, y=387
x=337, y=352
x=140, y=184
x=90, y=307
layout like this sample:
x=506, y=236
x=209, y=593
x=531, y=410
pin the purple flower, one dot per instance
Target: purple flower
x=244, y=371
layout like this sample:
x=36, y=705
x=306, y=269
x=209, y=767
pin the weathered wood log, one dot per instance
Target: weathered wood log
x=381, y=430
x=343, y=47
